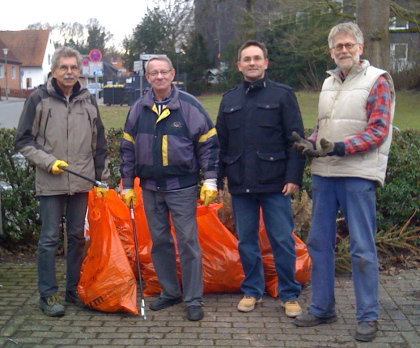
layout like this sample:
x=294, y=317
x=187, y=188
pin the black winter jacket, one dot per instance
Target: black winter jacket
x=254, y=126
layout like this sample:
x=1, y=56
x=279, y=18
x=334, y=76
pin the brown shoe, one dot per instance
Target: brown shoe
x=247, y=304
x=366, y=331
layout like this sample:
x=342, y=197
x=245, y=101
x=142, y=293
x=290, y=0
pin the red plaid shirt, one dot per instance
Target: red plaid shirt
x=379, y=120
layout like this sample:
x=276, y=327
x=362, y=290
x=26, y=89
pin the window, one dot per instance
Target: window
x=1, y=71
x=397, y=24
x=28, y=82
x=399, y=56
x=13, y=72
x=399, y=51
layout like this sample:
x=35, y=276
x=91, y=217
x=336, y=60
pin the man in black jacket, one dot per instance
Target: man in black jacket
x=255, y=124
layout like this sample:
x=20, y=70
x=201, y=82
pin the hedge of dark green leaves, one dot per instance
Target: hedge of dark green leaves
x=397, y=201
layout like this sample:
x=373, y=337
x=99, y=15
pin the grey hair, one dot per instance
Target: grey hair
x=345, y=28
x=159, y=57
x=65, y=52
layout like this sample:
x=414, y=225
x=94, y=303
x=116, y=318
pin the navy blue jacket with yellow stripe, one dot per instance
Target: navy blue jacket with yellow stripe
x=168, y=150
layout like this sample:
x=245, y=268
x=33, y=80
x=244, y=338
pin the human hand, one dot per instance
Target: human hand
x=304, y=146
x=208, y=191
x=290, y=189
x=55, y=169
x=129, y=197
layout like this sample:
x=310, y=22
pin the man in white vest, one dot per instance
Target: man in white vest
x=350, y=147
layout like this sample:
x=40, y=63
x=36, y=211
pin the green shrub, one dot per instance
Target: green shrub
x=19, y=205
x=397, y=201
x=114, y=138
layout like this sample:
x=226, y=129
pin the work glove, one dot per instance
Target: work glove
x=304, y=146
x=55, y=169
x=208, y=191
x=101, y=191
x=327, y=147
x=129, y=197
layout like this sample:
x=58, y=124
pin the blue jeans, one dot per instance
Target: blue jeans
x=51, y=209
x=278, y=221
x=182, y=207
x=357, y=199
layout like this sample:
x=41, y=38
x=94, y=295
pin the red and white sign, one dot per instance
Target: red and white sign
x=95, y=55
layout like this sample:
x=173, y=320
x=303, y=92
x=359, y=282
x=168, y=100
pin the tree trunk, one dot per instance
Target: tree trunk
x=373, y=19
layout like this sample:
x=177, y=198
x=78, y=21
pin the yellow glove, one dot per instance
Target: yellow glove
x=101, y=191
x=55, y=169
x=208, y=191
x=129, y=196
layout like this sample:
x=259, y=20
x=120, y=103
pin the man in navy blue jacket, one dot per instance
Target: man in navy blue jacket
x=255, y=124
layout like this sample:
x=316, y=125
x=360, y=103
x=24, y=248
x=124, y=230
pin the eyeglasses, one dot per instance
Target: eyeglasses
x=65, y=68
x=340, y=47
x=155, y=73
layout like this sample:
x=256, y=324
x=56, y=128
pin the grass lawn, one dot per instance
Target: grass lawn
x=407, y=112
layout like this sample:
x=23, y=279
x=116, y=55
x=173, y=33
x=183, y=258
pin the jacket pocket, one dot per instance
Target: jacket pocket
x=233, y=169
x=271, y=167
x=268, y=114
x=233, y=118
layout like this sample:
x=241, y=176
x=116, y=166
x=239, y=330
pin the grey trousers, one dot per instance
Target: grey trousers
x=182, y=206
x=51, y=209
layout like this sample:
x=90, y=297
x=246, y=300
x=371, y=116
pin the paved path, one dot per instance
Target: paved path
x=23, y=325
x=10, y=111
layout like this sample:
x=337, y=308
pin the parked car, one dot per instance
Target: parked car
x=95, y=87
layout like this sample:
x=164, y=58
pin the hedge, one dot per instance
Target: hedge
x=397, y=202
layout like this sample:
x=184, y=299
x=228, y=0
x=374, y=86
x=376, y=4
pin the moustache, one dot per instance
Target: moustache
x=344, y=56
x=69, y=77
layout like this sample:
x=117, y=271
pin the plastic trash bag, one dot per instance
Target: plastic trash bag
x=222, y=270
x=303, y=262
x=107, y=282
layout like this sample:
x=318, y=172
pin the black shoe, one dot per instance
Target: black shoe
x=73, y=297
x=366, y=331
x=162, y=303
x=194, y=313
x=309, y=319
x=51, y=307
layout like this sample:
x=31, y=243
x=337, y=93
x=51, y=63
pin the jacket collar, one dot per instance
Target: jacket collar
x=252, y=86
x=172, y=99
x=53, y=86
x=362, y=66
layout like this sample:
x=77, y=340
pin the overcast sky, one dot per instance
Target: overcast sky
x=118, y=17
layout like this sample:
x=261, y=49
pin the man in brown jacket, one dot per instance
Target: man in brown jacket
x=60, y=127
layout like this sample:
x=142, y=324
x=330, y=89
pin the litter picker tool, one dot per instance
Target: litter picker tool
x=142, y=306
x=97, y=183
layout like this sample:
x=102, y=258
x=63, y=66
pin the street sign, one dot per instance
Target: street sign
x=85, y=62
x=150, y=56
x=138, y=65
x=96, y=68
x=95, y=55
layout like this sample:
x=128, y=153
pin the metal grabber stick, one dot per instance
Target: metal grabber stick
x=97, y=183
x=142, y=306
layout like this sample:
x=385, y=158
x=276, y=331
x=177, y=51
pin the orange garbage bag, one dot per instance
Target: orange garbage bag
x=107, y=282
x=303, y=262
x=222, y=270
